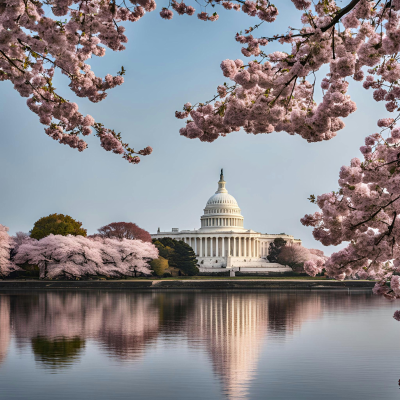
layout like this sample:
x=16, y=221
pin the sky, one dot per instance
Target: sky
x=169, y=63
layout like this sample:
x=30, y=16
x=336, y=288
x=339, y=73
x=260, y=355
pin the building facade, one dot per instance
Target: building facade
x=223, y=242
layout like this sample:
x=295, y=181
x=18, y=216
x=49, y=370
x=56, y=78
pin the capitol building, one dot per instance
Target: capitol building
x=223, y=242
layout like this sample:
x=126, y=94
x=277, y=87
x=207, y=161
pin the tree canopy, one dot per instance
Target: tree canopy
x=274, y=249
x=124, y=230
x=57, y=224
x=6, y=244
x=77, y=256
x=295, y=256
x=179, y=255
x=159, y=265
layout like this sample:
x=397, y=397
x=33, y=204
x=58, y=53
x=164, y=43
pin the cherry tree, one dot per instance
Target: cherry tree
x=276, y=91
x=6, y=244
x=365, y=213
x=38, y=38
x=35, y=42
x=295, y=256
x=77, y=256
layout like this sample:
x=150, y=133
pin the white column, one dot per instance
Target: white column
x=253, y=250
x=195, y=246
x=229, y=246
x=223, y=246
x=234, y=247
x=240, y=246
x=216, y=247
x=211, y=247
x=205, y=247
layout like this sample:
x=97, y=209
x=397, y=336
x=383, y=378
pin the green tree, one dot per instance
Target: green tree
x=274, y=249
x=57, y=224
x=164, y=250
x=159, y=265
x=57, y=353
x=179, y=255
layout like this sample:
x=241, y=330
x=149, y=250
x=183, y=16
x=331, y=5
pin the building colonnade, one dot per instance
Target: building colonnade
x=220, y=221
x=222, y=246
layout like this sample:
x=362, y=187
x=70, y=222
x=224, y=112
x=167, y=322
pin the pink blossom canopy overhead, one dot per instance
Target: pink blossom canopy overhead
x=276, y=91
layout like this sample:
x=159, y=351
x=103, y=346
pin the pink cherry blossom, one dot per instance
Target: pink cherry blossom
x=78, y=256
x=6, y=244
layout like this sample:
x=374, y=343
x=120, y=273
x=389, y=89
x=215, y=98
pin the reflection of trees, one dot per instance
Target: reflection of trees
x=288, y=310
x=5, y=329
x=173, y=310
x=58, y=352
x=124, y=323
x=231, y=326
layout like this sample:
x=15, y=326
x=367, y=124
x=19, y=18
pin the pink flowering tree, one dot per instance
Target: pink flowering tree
x=78, y=256
x=38, y=38
x=296, y=256
x=6, y=244
x=272, y=92
x=276, y=91
x=364, y=212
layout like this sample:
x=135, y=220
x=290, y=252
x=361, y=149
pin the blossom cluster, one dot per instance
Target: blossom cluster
x=365, y=212
x=6, y=244
x=263, y=9
x=277, y=91
x=77, y=256
x=34, y=45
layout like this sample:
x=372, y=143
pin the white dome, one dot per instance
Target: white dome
x=222, y=198
x=222, y=211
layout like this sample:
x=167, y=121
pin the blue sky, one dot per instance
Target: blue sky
x=169, y=63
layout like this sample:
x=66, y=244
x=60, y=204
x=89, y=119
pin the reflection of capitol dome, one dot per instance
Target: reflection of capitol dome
x=222, y=210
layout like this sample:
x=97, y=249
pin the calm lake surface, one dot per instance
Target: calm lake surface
x=198, y=345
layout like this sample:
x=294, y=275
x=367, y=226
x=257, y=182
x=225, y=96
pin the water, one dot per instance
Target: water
x=198, y=345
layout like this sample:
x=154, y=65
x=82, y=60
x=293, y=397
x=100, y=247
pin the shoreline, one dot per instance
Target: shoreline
x=160, y=284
